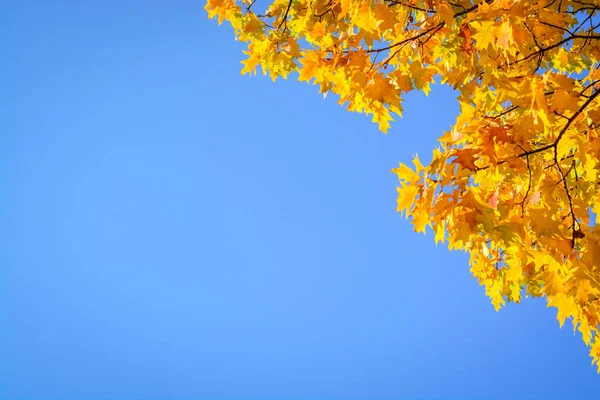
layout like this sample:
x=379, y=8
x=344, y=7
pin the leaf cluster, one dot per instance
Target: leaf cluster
x=515, y=182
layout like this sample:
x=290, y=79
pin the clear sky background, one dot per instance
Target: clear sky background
x=170, y=229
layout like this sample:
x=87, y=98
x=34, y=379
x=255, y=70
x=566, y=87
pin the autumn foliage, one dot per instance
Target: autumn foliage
x=515, y=182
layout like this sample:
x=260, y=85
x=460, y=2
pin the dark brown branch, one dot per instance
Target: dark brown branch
x=410, y=39
x=401, y=3
x=563, y=177
x=434, y=28
x=565, y=128
x=522, y=203
x=542, y=50
x=512, y=108
x=284, y=20
x=556, y=27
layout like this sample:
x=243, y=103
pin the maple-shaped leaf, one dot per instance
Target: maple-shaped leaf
x=466, y=158
x=565, y=306
x=406, y=174
x=505, y=35
x=406, y=197
x=484, y=34
x=310, y=65
x=420, y=220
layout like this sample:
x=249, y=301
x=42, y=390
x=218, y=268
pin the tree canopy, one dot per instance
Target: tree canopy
x=515, y=181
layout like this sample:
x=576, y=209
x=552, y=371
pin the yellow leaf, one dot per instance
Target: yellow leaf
x=417, y=72
x=484, y=35
x=420, y=220
x=417, y=163
x=253, y=26
x=514, y=273
x=564, y=147
x=406, y=174
x=584, y=291
x=584, y=329
x=319, y=30
x=590, y=167
x=310, y=65
x=406, y=198
x=564, y=304
x=345, y=6
x=250, y=65
x=505, y=39
x=595, y=352
x=365, y=19
x=561, y=59
x=494, y=290
x=534, y=198
x=439, y=232
x=563, y=101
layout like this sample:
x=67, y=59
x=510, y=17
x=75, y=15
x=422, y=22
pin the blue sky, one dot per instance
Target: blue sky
x=173, y=230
